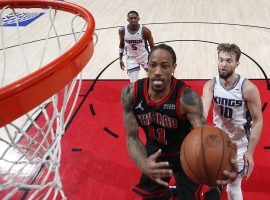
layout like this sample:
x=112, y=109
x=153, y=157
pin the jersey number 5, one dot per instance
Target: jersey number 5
x=158, y=135
x=134, y=47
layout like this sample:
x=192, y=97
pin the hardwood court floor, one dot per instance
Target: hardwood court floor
x=191, y=27
x=95, y=163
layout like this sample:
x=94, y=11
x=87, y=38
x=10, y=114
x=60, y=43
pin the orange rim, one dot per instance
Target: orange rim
x=28, y=92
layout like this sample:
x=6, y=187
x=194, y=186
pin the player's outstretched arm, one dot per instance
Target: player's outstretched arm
x=121, y=34
x=147, y=35
x=207, y=96
x=135, y=147
x=147, y=165
x=252, y=97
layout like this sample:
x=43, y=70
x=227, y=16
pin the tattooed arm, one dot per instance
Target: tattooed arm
x=136, y=148
x=191, y=105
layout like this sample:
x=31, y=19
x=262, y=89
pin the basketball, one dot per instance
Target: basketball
x=205, y=153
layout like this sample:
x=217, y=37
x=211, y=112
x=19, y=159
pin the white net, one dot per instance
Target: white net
x=30, y=146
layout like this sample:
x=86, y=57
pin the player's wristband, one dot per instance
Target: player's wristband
x=121, y=50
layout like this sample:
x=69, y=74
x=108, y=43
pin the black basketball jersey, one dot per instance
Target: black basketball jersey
x=164, y=126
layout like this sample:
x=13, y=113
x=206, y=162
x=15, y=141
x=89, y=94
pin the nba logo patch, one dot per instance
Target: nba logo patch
x=23, y=18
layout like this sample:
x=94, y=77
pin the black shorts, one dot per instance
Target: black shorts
x=150, y=190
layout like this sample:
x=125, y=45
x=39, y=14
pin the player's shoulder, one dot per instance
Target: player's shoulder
x=127, y=91
x=249, y=87
x=210, y=84
x=189, y=101
x=145, y=30
x=189, y=93
x=128, y=88
x=127, y=96
x=121, y=30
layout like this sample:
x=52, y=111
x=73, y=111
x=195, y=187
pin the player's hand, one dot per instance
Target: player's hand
x=156, y=170
x=249, y=163
x=122, y=65
x=230, y=175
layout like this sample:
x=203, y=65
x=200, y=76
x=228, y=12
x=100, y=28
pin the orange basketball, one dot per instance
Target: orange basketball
x=205, y=153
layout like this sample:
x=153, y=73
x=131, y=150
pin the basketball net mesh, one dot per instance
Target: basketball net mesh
x=30, y=146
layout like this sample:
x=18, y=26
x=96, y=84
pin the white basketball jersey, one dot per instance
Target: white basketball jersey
x=135, y=44
x=230, y=109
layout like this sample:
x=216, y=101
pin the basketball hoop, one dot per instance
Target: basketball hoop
x=36, y=104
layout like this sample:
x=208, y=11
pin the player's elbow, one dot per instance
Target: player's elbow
x=257, y=121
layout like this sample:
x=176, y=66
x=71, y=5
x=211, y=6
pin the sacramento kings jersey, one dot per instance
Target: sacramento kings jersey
x=135, y=44
x=230, y=109
x=164, y=126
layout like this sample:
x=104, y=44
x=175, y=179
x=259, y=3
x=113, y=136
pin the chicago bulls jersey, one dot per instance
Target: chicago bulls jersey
x=164, y=126
x=230, y=110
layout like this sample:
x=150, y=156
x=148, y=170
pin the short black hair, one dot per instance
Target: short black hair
x=133, y=12
x=165, y=47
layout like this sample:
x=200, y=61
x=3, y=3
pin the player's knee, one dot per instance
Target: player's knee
x=133, y=75
x=234, y=190
x=234, y=194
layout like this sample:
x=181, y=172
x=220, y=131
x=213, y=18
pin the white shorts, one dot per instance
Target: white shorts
x=134, y=62
x=133, y=66
x=241, y=150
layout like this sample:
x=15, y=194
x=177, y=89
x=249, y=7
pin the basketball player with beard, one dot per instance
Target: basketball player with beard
x=135, y=38
x=166, y=109
x=236, y=102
